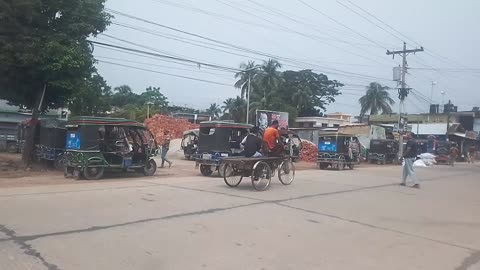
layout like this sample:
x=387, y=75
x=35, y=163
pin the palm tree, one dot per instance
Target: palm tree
x=249, y=71
x=376, y=100
x=269, y=78
x=236, y=108
x=214, y=110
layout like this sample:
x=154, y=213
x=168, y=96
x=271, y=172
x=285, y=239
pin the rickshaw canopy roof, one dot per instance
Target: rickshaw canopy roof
x=195, y=132
x=102, y=121
x=224, y=124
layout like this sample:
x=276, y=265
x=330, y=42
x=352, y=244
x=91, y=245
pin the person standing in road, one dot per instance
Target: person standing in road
x=165, y=148
x=409, y=157
x=453, y=154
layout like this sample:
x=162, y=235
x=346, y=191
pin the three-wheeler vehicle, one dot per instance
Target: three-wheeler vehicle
x=190, y=143
x=383, y=151
x=335, y=151
x=217, y=140
x=95, y=144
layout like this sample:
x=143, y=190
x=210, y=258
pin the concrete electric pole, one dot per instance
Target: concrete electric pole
x=403, y=91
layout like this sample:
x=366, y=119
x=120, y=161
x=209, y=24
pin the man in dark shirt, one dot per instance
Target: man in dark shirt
x=410, y=156
x=252, y=144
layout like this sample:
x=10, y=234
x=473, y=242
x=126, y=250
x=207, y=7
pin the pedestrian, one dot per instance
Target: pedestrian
x=471, y=154
x=453, y=153
x=165, y=148
x=409, y=157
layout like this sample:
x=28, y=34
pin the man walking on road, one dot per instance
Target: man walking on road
x=165, y=148
x=409, y=157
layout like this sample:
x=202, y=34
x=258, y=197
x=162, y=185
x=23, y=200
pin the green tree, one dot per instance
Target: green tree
x=214, y=110
x=250, y=71
x=124, y=95
x=236, y=109
x=376, y=100
x=44, y=52
x=92, y=98
x=159, y=102
x=269, y=79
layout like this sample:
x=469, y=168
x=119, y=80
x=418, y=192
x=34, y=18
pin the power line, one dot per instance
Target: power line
x=165, y=73
x=334, y=20
x=246, y=49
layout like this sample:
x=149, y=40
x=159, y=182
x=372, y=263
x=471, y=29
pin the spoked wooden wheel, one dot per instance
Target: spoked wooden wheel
x=231, y=175
x=286, y=172
x=261, y=175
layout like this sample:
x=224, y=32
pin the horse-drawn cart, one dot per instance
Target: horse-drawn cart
x=259, y=169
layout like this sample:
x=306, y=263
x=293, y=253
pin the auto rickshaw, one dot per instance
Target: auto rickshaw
x=94, y=144
x=383, y=151
x=293, y=144
x=442, y=153
x=190, y=143
x=218, y=139
x=335, y=150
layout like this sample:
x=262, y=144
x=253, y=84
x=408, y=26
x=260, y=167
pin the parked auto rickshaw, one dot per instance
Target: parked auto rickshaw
x=218, y=139
x=442, y=153
x=383, y=151
x=335, y=150
x=293, y=144
x=51, y=146
x=95, y=144
x=190, y=143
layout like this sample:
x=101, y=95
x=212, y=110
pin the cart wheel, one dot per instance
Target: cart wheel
x=261, y=175
x=12, y=148
x=231, y=175
x=286, y=172
x=93, y=173
x=150, y=168
x=206, y=170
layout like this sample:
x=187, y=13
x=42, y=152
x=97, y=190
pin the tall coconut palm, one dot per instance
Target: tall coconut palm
x=269, y=78
x=249, y=71
x=214, y=110
x=376, y=100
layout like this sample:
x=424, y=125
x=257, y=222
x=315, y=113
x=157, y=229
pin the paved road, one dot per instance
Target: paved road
x=357, y=219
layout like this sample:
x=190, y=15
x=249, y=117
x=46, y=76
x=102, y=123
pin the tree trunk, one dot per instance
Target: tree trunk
x=29, y=136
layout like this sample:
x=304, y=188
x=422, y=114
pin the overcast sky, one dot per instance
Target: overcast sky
x=338, y=43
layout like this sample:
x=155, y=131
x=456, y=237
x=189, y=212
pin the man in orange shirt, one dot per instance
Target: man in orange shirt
x=271, y=137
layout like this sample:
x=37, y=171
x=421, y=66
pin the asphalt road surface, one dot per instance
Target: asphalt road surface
x=360, y=219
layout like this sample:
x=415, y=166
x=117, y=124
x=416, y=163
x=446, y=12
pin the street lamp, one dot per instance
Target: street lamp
x=148, y=108
x=431, y=93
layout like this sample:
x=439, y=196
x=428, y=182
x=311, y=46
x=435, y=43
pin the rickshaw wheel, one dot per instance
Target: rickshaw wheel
x=150, y=168
x=323, y=165
x=93, y=173
x=286, y=172
x=341, y=164
x=59, y=163
x=261, y=175
x=231, y=176
x=206, y=170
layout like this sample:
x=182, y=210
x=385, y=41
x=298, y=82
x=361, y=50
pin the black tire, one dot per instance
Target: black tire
x=232, y=176
x=286, y=172
x=150, y=168
x=59, y=163
x=323, y=165
x=12, y=148
x=261, y=176
x=340, y=165
x=93, y=173
x=206, y=170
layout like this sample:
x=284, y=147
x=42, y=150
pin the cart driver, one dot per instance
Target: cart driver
x=271, y=138
x=252, y=144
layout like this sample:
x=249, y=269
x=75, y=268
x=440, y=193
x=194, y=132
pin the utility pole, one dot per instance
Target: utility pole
x=403, y=91
x=248, y=96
